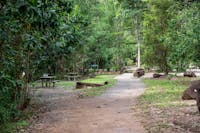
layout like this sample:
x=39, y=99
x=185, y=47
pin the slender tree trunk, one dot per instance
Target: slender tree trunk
x=166, y=63
x=27, y=80
x=1, y=54
x=139, y=42
x=18, y=63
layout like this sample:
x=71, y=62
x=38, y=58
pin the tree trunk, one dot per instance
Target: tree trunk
x=18, y=63
x=166, y=63
x=25, y=100
x=1, y=55
x=138, y=31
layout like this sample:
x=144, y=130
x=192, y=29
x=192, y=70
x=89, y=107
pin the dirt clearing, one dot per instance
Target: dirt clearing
x=108, y=113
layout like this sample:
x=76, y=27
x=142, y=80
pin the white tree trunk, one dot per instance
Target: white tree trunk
x=138, y=60
x=139, y=43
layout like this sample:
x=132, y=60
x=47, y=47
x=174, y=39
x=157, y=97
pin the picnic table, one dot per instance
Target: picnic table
x=48, y=80
x=72, y=76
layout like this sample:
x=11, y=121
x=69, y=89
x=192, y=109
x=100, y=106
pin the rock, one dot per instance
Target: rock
x=139, y=72
x=122, y=70
x=193, y=93
x=189, y=74
x=80, y=96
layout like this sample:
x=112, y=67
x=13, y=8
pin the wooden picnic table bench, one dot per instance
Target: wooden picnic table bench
x=48, y=80
x=72, y=76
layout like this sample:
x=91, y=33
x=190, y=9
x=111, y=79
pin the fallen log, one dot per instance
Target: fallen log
x=80, y=85
x=157, y=75
x=189, y=74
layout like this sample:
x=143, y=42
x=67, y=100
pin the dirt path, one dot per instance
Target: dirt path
x=108, y=113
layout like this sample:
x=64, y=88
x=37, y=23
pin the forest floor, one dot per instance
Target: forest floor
x=65, y=111
x=183, y=119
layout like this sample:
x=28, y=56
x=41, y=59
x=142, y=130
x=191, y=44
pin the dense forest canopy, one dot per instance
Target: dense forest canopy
x=60, y=36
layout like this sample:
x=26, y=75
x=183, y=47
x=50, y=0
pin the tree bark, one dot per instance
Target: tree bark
x=25, y=100
x=139, y=42
x=166, y=63
x=80, y=85
x=18, y=63
x=1, y=55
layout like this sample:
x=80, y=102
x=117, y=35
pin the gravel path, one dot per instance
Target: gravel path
x=108, y=113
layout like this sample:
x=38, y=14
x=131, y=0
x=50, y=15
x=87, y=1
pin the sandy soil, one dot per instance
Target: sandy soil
x=108, y=113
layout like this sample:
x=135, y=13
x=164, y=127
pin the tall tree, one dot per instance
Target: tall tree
x=34, y=35
x=155, y=31
x=135, y=10
x=183, y=35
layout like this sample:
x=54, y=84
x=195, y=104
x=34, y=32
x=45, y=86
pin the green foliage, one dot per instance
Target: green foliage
x=108, y=39
x=156, y=27
x=171, y=34
x=7, y=93
x=14, y=127
x=183, y=35
x=60, y=36
x=35, y=36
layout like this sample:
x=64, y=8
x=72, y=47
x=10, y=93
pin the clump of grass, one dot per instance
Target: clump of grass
x=66, y=84
x=99, y=79
x=99, y=90
x=14, y=127
x=164, y=92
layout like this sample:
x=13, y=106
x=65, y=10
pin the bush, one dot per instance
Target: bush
x=9, y=98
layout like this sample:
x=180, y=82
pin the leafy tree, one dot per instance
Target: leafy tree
x=136, y=10
x=155, y=31
x=183, y=35
x=35, y=35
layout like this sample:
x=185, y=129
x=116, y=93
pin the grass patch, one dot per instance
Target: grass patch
x=65, y=84
x=99, y=90
x=14, y=127
x=164, y=93
x=35, y=84
x=99, y=79
x=161, y=103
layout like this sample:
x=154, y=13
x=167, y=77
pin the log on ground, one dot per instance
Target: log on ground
x=80, y=85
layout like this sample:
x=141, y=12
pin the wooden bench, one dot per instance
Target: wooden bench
x=46, y=80
x=54, y=82
x=72, y=76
